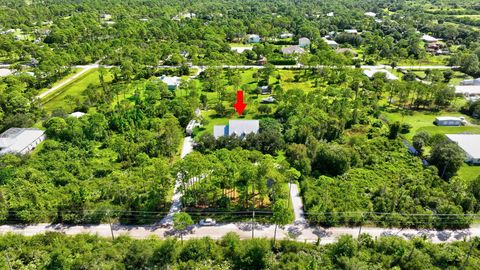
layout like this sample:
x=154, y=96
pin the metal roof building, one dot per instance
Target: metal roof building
x=20, y=140
x=470, y=144
x=238, y=127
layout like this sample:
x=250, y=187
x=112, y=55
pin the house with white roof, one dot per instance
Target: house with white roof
x=470, y=92
x=331, y=43
x=20, y=140
x=304, y=42
x=240, y=128
x=471, y=82
x=330, y=14
x=253, y=38
x=172, y=82
x=449, y=121
x=370, y=14
x=351, y=31
x=286, y=35
x=430, y=39
x=470, y=144
x=77, y=114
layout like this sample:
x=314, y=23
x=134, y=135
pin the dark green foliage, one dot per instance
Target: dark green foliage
x=448, y=158
x=58, y=251
x=394, y=130
x=387, y=179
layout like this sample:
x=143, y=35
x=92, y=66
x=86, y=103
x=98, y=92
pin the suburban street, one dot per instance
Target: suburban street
x=86, y=68
x=295, y=232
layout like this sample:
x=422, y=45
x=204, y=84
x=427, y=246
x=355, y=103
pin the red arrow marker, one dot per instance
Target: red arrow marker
x=240, y=106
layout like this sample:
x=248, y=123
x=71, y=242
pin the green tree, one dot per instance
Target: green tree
x=448, y=158
x=181, y=221
x=282, y=215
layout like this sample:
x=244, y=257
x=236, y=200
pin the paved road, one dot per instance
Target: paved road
x=70, y=79
x=320, y=66
x=297, y=232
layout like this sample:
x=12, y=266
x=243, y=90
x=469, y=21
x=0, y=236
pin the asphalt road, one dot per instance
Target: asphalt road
x=244, y=230
x=83, y=70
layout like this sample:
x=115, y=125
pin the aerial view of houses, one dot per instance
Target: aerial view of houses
x=250, y=134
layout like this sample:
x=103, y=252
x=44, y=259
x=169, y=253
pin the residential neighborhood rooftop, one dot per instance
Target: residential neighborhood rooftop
x=293, y=49
x=470, y=143
x=17, y=140
x=428, y=38
x=237, y=127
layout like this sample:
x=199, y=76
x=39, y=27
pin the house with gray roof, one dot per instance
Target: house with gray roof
x=240, y=128
x=470, y=144
x=296, y=49
x=20, y=140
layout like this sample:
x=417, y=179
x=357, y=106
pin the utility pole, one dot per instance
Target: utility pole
x=468, y=255
x=253, y=224
x=8, y=261
x=290, y=192
x=111, y=231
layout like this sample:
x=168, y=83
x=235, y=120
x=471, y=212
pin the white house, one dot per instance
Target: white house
x=351, y=31
x=330, y=14
x=331, y=43
x=286, y=35
x=430, y=39
x=239, y=128
x=449, y=121
x=470, y=144
x=470, y=92
x=20, y=140
x=253, y=38
x=77, y=114
x=471, y=82
x=172, y=82
x=269, y=99
x=370, y=14
x=304, y=42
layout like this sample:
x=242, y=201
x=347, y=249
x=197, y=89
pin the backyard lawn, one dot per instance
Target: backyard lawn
x=423, y=121
x=468, y=172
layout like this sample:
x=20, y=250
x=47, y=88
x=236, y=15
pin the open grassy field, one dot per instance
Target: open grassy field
x=468, y=172
x=423, y=121
x=75, y=89
x=73, y=71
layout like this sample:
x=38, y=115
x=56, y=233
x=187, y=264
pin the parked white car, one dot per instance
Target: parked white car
x=207, y=222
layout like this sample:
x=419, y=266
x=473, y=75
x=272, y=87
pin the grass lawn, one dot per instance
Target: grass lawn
x=429, y=60
x=75, y=89
x=423, y=121
x=468, y=172
x=240, y=45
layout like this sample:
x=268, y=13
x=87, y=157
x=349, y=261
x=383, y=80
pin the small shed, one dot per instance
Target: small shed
x=450, y=121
